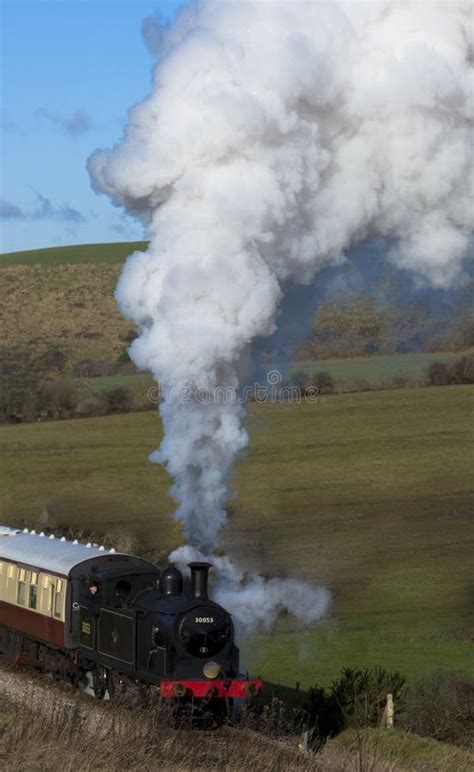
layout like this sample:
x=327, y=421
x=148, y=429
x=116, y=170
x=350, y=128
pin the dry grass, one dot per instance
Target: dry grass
x=47, y=728
x=66, y=307
x=405, y=749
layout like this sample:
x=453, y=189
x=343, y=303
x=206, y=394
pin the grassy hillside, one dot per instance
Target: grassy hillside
x=77, y=253
x=406, y=750
x=367, y=493
x=62, y=300
x=65, y=307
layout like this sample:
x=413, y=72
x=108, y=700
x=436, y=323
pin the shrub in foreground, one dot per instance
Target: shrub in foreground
x=357, y=699
x=441, y=706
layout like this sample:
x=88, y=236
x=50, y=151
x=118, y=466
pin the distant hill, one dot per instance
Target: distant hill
x=58, y=310
x=114, y=252
x=62, y=300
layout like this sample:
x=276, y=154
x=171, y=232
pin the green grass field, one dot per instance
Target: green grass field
x=366, y=493
x=115, y=252
x=351, y=374
x=376, y=369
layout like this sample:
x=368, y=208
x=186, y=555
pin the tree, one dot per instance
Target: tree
x=17, y=383
x=464, y=332
x=300, y=379
x=324, y=382
x=355, y=327
x=56, y=399
x=438, y=374
x=52, y=360
x=118, y=399
x=469, y=368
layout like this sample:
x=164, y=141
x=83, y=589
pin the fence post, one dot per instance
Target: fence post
x=303, y=745
x=390, y=709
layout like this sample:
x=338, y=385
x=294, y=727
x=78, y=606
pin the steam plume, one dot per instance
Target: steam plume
x=276, y=136
x=255, y=602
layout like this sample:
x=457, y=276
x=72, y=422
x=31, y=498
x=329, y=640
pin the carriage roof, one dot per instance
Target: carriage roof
x=46, y=553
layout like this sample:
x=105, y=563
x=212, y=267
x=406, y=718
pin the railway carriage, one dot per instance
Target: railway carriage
x=149, y=627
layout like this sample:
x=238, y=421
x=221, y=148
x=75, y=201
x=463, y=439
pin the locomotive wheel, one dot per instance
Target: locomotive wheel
x=99, y=682
x=116, y=687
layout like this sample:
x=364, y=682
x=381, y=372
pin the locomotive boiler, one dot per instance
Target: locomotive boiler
x=72, y=609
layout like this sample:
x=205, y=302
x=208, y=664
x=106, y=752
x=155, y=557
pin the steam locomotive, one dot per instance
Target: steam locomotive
x=72, y=610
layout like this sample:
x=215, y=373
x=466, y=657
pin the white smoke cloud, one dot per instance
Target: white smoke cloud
x=276, y=136
x=256, y=602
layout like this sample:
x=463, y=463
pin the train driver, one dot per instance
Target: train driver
x=93, y=599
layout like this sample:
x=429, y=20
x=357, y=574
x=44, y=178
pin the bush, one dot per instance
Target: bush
x=56, y=399
x=441, y=706
x=271, y=718
x=17, y=383
x=322, y=715
x=300, y=379
x=117, y=400
x=91, y=405
x=93, y=368
x=438, y=374
x=469, y=368
x=124, y=357
x=324, y=382
x=464, y=331
x=458, y=372
x=362, y=694
x=462, y=370
x=53, y=360
x=358, y=699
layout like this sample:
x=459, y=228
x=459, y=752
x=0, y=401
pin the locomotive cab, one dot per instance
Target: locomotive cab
x=105, y=624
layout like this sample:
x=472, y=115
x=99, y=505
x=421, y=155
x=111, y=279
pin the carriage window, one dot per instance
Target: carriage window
x=11, y=570
x=33, y=594
x=21, y=589
x=58, y=599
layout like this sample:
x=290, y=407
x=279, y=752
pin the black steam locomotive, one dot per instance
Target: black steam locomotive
x=74, y=609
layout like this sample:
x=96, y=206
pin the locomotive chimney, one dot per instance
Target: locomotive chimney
x=199, y=577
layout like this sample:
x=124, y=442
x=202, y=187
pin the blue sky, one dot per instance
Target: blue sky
x=69, y=71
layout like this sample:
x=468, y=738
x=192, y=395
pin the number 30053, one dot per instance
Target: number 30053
x=204, y=620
